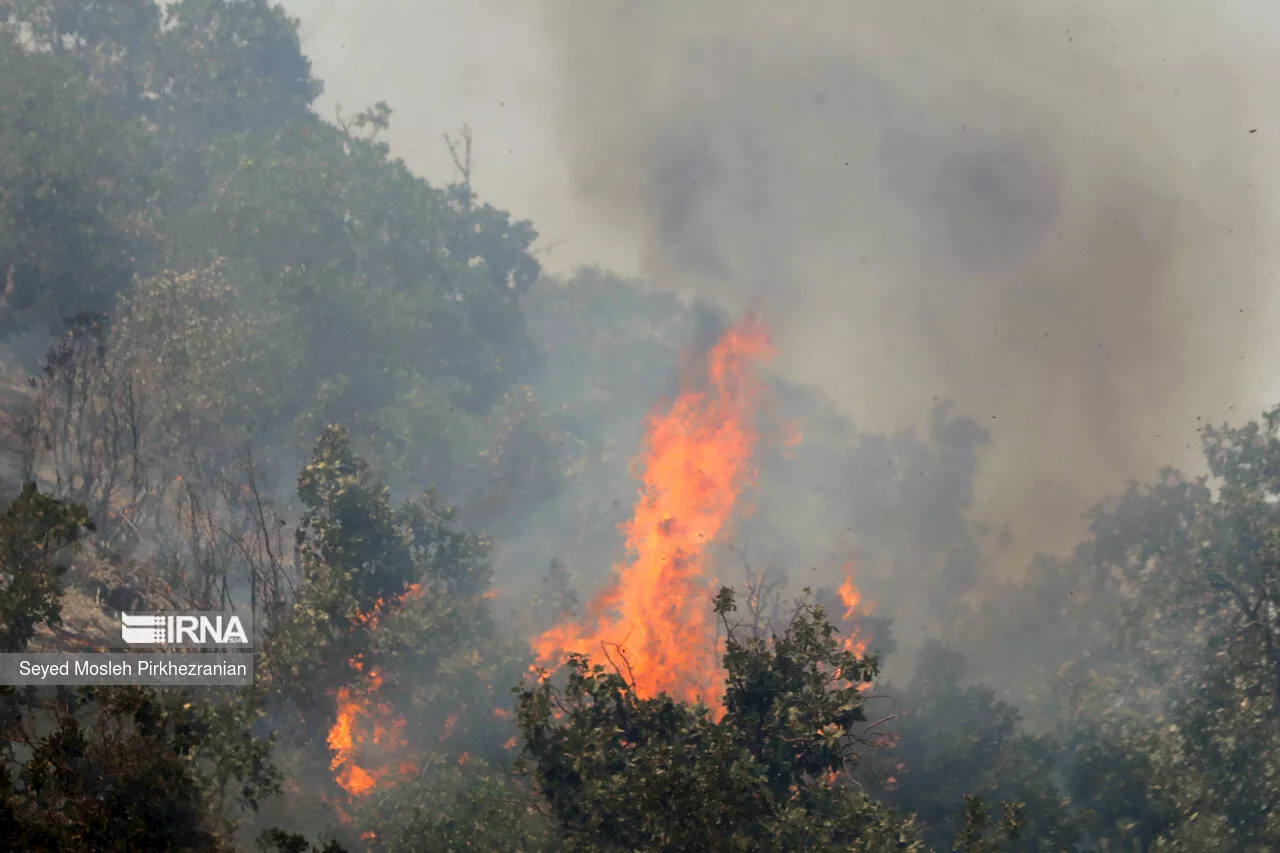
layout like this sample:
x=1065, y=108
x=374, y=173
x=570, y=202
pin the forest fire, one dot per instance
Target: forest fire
x=654, y=622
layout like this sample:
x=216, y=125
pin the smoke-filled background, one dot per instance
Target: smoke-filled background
x=1057, y=215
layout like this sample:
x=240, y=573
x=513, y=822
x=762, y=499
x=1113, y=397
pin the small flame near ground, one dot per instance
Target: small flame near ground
x=654, y=621
x=365, y=726
x=367, y=736
x=450, y=723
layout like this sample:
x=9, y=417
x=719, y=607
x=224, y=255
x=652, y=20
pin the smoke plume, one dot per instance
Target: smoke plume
x=1054, y=213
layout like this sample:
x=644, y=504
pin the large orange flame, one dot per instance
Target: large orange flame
x=654, y=621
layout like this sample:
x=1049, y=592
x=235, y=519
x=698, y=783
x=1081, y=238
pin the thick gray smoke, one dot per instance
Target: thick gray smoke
x=1057, y=214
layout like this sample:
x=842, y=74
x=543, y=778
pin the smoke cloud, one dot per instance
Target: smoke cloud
x=1056, y=214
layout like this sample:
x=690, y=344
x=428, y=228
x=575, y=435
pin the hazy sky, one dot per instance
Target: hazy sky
x=481, y=62
x=1060, y=213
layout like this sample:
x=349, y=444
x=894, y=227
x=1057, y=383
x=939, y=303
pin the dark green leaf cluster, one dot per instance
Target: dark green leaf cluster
x=363, y=563
x=622, y=772
x=114, y=769
x=955, y=741
x=142, y=141
x=35, y=531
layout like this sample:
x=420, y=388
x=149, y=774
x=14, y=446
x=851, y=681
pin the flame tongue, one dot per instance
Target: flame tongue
x=854, y=640
x=655, y=621
x=851, y=598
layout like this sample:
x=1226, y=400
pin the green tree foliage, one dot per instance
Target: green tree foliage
x=227, y=67
x=909, y=501
x=279, y=841
x=1151, y=659
x=35, y=530
x=114, y=769
x=74, y=220
x=184, y=137
x=403, y=593
x=147, y=423
x=348, y=537
x=451, y=808
x=133, y=768
x=975, y=835
x=110, y=791
x=358, y=557
x=954, y=742
x=1193, y=563
x=195, y=70
x=356, y=248
x=608, y=344
x=620, y=772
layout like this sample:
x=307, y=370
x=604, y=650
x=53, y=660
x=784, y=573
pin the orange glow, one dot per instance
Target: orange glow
x=464, y=759
x=337, y=809
x=361, y=726
x=792, y=434
x=450, y=723
x=655, y=622
x=367, y=735
x=851, y=598
x=853, y=608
